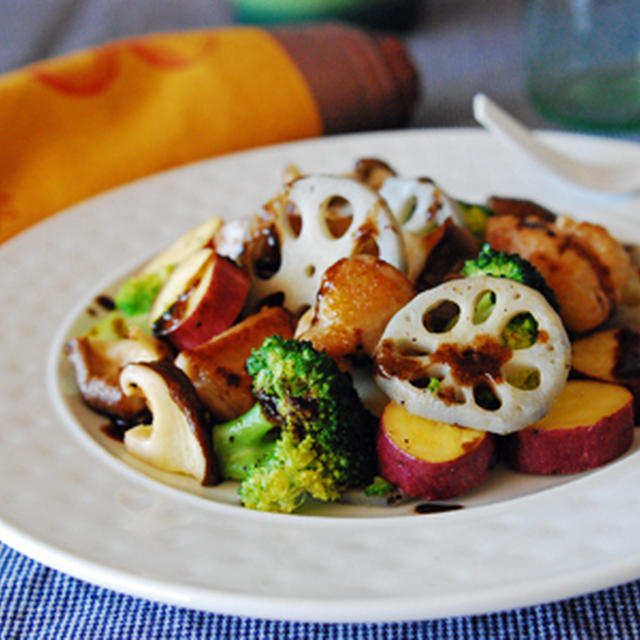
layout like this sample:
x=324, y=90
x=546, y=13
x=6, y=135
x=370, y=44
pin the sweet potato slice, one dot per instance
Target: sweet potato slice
x=217, y=368
x=611, y=355
x=590, y=424
x=429, y=459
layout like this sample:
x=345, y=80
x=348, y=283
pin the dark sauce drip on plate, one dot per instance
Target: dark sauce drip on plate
x=106, y=302
x=430, y=507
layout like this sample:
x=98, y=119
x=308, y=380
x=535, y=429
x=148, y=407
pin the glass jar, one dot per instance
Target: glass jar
x=583, y=61
x=387, y=14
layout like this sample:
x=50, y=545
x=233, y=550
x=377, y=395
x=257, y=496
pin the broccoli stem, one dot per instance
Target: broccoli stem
x=243, y=443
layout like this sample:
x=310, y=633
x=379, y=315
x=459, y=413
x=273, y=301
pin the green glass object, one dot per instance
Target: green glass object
x=583, y=62
x=387, y=13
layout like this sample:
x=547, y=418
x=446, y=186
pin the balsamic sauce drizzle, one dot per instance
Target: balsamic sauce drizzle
x=432, y=507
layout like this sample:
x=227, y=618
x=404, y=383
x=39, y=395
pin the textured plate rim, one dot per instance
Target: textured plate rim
x=322, y=609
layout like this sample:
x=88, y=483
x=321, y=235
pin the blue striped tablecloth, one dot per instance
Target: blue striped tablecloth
x=39, y=602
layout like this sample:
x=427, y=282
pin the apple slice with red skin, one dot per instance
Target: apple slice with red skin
x=610, y=355
x=431, y=460
x=198, y=237
x=202, y=298
x=590, y=424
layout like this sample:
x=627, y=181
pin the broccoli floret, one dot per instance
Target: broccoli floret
x=525, y=379
x=309, y=434
x=521, y=331
x=244, y=442
x=434, y=385
x=380, y=487
x=500, y=264
x=475, y=217
x=137, y=294
x=484, y=307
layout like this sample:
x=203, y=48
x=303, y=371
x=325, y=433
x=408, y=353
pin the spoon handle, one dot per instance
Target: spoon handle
x=506, y=128
x=612, y=179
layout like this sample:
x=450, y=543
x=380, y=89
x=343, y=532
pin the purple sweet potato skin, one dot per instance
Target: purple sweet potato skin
x=563, y=451
x=632, y=384
x=434, y=480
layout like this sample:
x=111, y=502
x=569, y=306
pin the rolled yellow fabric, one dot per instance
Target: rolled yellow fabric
x=77, y=125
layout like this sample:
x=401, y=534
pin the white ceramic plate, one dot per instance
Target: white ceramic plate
x=71, y=499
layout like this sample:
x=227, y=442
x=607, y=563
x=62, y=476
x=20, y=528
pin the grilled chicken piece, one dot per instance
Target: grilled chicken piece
x=520, y=208
x=607, y=250
x=356, y=299
x=586, y=267
x=217, y=368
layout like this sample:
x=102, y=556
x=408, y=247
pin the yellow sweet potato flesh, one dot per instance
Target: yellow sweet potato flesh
x=590, y=424
x=429, y=459
x=583, y=403
x=426, y=439
x=594, y=356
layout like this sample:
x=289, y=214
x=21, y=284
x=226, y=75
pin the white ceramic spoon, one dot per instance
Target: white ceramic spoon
x=621, y=178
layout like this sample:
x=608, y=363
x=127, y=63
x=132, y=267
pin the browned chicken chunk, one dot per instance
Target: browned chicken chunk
x=217, y=368
x=584, y=265
x=356, y=299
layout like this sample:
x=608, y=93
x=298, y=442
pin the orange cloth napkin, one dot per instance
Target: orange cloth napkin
x=80, y=124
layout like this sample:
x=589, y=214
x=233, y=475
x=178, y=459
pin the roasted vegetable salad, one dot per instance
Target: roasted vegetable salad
x=231, y=357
